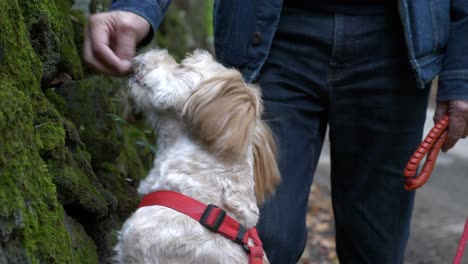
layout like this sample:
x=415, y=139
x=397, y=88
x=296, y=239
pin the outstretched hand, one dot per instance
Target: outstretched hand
x=110, y=41
x=458, y=126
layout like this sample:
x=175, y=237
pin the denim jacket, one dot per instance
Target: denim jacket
x=436, y=34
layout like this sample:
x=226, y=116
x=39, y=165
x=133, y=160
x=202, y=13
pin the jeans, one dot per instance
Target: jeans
x=350, y=73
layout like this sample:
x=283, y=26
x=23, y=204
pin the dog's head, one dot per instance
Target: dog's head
x=216, y=106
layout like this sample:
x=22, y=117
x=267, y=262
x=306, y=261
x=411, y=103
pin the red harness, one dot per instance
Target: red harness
x=211, y=217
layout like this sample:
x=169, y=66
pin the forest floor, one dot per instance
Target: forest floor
x=320, y=247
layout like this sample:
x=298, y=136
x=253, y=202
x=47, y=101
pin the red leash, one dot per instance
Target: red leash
x=431, y=146
x=461, y=245
x=211, y=217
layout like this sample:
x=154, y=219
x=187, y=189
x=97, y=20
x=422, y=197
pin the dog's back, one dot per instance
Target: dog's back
x=211, y=139
x=160, y=235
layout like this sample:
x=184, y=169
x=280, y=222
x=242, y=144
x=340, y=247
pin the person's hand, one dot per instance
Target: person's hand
x=110, y=40
x=458, y=126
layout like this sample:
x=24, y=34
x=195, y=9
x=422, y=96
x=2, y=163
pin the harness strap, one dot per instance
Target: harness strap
x=211, y=217
x=255, y=251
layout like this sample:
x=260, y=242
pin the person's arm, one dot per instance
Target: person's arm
x=452, y=94
x=111, y=38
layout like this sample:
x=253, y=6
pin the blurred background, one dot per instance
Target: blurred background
x=71, y=156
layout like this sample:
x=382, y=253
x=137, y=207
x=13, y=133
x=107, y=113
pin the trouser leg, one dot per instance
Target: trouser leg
x=376, y=121
x=295, y=108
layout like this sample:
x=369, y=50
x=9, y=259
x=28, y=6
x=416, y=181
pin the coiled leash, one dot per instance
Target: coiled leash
x=431, y=146
x=211, y=217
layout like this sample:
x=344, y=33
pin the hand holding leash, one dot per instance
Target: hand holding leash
x=431, y=145
x=458, y=127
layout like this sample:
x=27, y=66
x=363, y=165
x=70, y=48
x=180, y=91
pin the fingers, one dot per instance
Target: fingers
x=125, y=47
x=457, y=129
x=107, y=48
x=101, y=36
x=91, y=60
x=110, y=41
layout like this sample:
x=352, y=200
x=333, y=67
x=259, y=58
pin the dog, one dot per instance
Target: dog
x=212, y=145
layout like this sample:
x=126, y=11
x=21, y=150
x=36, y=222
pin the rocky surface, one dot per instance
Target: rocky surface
x=67, y=166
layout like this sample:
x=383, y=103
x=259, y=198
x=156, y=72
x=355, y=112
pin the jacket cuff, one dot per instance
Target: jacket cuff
x=148, y=9
x=453, y=85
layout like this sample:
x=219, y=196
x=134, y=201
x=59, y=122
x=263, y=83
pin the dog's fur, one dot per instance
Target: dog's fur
x=212, y=146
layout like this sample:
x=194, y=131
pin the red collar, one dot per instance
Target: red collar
x=212, y=217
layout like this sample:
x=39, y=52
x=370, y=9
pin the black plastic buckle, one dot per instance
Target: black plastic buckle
x=219, y=219
x=240, y=238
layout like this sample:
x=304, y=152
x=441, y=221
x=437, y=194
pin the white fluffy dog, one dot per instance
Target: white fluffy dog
x=212, y=146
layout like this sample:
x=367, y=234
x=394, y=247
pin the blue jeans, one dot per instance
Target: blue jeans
x=351, y=73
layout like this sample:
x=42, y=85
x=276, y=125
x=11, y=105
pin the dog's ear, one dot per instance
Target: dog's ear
x=266, y=172
x=222, y=112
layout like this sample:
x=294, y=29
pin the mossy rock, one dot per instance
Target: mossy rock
x=33, y=229
x=48, y=125
x=89, y=108
x=79, y=189
x=52, y=37
x=84, y=249
x=108, y=138
x=79, y=21
x=68, y=167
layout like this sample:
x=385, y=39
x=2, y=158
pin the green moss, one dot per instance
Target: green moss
x=79, y=21
x=56, y=100
x=55, y=144
x=52, y=35
x=106, y=139
x=19, y=61
x=112, y=179
x=29, y=211
x=32, y=219
x=209, y=4
x=76, y=182
x=88, y=106
x=71, y=60
x=51, y=136
x=47, y=124
x=83, y=248
x=172, y=28
x=131, y=164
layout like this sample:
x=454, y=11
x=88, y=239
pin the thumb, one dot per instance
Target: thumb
x=440, y=111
